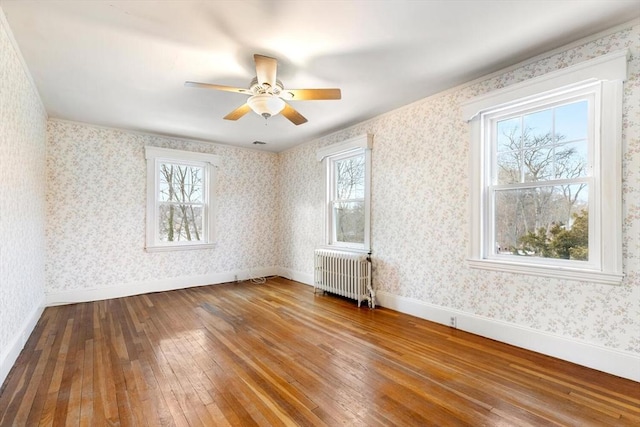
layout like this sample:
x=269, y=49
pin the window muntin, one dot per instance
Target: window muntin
x=539, y=180
x=180, y=199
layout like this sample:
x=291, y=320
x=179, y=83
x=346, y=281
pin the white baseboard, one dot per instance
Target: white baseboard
x=298, y=276
x=138, y=288
x=9, y=355
x=616, y=362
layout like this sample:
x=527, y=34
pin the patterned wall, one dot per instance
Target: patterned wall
x=22, y=197
x=96, y=201
x=420, y=223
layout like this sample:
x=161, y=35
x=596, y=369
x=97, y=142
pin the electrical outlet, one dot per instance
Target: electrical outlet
x=453, y=322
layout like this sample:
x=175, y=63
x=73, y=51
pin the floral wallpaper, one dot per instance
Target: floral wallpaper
x=96, y=203
x=420, y=221
x=22, y=199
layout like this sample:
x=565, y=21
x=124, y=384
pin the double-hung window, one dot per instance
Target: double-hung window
x=540, y=178
x=546, y=178
x=347, y=204
x=180, y=199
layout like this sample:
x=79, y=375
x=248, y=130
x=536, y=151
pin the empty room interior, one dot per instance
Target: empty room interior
x=320, y=213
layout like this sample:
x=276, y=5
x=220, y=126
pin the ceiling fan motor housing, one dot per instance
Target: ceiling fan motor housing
x=265, y=89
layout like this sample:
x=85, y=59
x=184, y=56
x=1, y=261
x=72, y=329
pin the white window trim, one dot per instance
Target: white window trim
x=360, y=144
x=609, y=71
x=155, y=155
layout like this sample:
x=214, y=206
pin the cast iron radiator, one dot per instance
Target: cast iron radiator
x=344, y=273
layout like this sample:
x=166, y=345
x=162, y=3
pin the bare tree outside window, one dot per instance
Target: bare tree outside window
x=181, y=202
x=541, y=183
x=348, y=203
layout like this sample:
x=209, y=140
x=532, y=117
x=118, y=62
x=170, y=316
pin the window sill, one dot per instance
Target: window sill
x=556, y=272
x=346, y=249
x=179, y=247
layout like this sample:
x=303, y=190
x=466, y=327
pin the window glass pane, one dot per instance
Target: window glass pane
x=178, y=222
x=349, y=175
x=571, y=121
x=538, y=128
x=538, y=163
x=180, y=183
x=547, y=221
x=571, y=160
x=349, y=222
x=508, y=135
x=509, y=171
x=166, y=193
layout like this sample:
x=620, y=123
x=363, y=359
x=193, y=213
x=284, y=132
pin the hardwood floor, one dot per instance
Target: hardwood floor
x=274, y=354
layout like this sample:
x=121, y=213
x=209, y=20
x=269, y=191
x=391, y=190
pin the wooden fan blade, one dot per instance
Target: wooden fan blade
x=290, y=113
x=238, y=112
x=217, y=87
x=266, y=69
x=312, y=94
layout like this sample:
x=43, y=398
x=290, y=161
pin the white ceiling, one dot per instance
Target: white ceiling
x=124, y=63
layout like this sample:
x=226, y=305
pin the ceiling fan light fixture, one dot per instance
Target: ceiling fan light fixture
x=266, y=105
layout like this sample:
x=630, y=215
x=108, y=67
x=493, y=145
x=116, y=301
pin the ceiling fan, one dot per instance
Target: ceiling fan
x=268, y=95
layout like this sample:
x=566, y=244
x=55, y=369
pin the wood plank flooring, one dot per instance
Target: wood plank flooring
x=274, y=354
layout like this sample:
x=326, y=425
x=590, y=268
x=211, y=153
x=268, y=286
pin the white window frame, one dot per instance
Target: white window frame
x=602, y=78
x=358, y=146
x=155, y=156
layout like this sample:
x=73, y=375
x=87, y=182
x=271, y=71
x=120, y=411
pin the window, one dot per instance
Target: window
x=546, y=179
x=348, y=177
x=180, y=199
x=539, y=180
